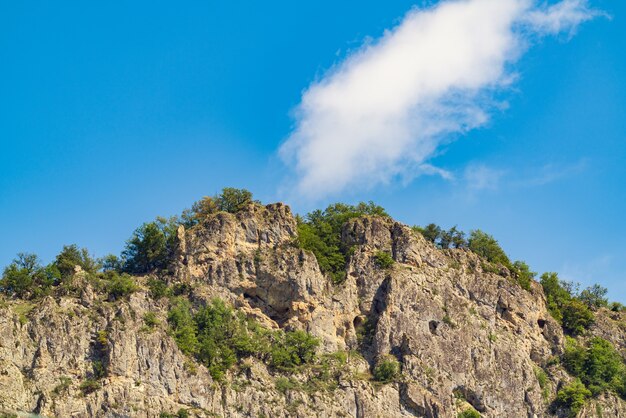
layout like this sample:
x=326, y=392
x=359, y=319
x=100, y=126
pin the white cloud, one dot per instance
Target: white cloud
x=481, y=177
x=385, y=110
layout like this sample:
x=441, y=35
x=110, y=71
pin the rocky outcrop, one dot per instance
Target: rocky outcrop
x=464, y=337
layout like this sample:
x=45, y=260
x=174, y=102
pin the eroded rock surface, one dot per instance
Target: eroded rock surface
x=463, y=336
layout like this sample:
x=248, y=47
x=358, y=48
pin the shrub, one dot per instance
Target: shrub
x=284, y=384
x=487, y=247
x=469, y=413
x=89, y=385
x=158, y=288
x=598, y=366
x=594, y=296
x=121, y=286
x=150, y=319
x=573, y=397
x=184, y=327
x=320, y=233
x=557, y=294
x=293, y=348
x=452, y=238
x=387, y=369
x=151, y=246
x=70, y=257
x=383, y=260
x=26, y=278
x=522, y=274
x=577, y=317
x=63, y=386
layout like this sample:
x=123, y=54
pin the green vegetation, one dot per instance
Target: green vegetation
x=71, y=257
x=150, y=319
x=598, y=365
x=89, y=385
x=573, y=311
x=383, y=260
x=63, y=386
x=488, y=248
x=231, y=200
x=150, y=247
x=26, y=278
x=387, y=369
x=544, y=383
x=469, y=413
x=292, y=349
x=484, y=245
x=573, y=397
x=219, y=337
x=120, y=286
x=452, y=238
x=320, y=233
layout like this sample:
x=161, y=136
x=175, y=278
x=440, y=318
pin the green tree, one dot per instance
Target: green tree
x=121, y=286
x=594, y=296
x=573, y=397
x=557, y=295
x=430, y=232
x=603, y=368
x=183, y=325
x=111, y=262
x=26, y=278
x=70, y=257
x=233, y=200
x=387, y=369
x=151, y=246
x=487, y=247
x=522, y=274
x=293, y=348
x=577, y=317
x=320, y=233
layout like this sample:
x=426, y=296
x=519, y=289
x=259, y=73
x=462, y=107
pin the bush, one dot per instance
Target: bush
x=26, y=278
x=158, y=288
x=293, y=348
x=573, y=397
x=598, y=366
x=320, y=233
x=383, y=260
x=557, y=294
x=150, y=319
x=184, y=327
x=89, y=385
x=522, y=274
x=151, y=246
x=217, y=335
x=70, y=257
x=121, y=286
x=387, y=369
x=469, y=413
x=452, y=238
x=488, y=248
x=577, y=317
x=594, y=296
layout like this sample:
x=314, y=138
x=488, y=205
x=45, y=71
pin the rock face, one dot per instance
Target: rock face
x=465, y=338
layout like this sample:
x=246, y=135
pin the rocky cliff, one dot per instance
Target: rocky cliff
x=466, y=339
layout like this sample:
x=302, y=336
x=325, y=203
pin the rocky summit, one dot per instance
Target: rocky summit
x=243, y=322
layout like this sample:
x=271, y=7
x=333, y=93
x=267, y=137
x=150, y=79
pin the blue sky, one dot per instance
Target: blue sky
x=112, y=114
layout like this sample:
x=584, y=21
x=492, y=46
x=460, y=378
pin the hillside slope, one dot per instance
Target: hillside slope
x=465, y=339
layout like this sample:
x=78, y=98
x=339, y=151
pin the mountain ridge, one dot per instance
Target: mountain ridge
x=410, y=330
